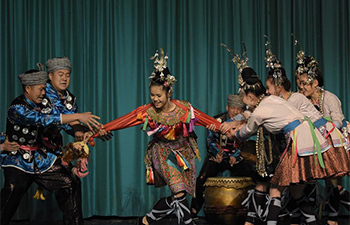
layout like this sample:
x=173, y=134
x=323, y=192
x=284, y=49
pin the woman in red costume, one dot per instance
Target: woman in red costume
x=170, y=156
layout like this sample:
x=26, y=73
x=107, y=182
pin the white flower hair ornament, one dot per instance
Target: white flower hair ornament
x=160, y=66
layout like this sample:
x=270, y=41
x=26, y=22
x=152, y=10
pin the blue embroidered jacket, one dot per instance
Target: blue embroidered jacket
x=25, y=125
x=53, y=103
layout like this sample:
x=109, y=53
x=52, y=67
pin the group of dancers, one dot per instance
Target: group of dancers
x=308, y=128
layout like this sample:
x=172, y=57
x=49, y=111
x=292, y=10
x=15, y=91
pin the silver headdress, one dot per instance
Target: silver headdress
x=241, y=63
x=273, y=63
x=309, y=68
x=160, y=65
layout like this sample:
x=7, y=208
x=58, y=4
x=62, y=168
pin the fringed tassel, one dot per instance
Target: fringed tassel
x=151, y=132
x=145, y=124
x=139, y=116
x=149, y=175
x=184, y=130
x=181, y=161
x=192, y=112
x=188, y=119
x=39, y=194
x=171, y=134
x=198, y=155
x=192, y=123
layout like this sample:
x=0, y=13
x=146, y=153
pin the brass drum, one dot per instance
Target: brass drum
x=223, y=197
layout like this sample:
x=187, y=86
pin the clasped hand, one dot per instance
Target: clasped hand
x=228, y=128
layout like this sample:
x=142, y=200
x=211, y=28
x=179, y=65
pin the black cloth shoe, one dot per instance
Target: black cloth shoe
x=194, y=216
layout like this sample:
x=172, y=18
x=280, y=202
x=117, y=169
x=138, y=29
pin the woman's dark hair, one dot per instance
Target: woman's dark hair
x=286, y=84
x=319, y=77
x=250, y=77
x=158, y=81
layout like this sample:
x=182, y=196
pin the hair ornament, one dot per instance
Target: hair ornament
x=241, y=63
x=160, y=65
x=273, y=63
x=309, y=68
x=300, y=58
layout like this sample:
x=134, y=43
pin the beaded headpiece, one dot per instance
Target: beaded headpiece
x=309, y=68
x=160, y=66
x=273, y=63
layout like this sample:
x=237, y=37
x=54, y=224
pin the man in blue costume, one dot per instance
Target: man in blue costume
x=59, y=100
x=34, y=162
x=222, y=153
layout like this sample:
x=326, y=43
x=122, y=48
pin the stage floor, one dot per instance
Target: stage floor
x=344, y=220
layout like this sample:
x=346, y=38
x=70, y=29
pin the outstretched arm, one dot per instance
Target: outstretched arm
x=133, y=118
x=205, y=120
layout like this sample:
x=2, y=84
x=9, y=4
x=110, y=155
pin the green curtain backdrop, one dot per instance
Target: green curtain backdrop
x=110, y=42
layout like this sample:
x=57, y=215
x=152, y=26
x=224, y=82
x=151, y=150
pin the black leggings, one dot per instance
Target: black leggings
x=58, y=180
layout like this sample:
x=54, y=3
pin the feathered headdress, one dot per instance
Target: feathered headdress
x=305, y=67
x=273, y=63
x=160, y=66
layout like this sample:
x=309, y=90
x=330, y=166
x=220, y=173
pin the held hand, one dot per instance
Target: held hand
x=232, y=161
x=217, y=158
x=102, y=131
x=90, y=120
x=224, y=127
x=103, y=134
x=211, y=127
x=231, y=134
x=87, y=135
x=9, y=146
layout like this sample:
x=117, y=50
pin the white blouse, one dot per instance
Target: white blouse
x=274, y=113
x=303, y=104
x=331, y=107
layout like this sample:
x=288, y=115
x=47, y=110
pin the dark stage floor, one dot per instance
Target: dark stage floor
x=344, y=220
